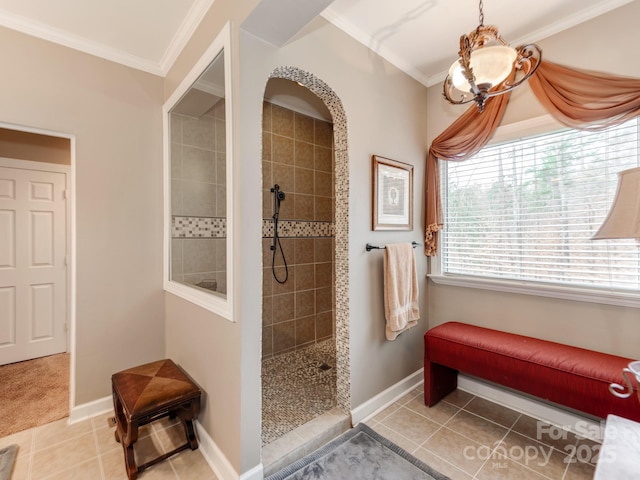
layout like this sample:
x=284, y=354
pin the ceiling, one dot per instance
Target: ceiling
x=420, y=37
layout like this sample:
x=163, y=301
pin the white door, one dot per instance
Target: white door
x=33, y=272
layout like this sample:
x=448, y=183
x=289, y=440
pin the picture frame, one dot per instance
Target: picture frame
x=392, y=194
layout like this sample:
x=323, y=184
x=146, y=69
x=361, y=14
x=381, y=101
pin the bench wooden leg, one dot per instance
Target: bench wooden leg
x=192, y=441
x=187, y=413
x=439, y=381
x=130, y=462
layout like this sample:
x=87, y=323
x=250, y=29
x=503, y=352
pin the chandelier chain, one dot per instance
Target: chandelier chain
x=481, y=16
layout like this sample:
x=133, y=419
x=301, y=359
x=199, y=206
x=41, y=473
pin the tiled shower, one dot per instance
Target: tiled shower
x=198, y=197
x=298, y=320
x=298, y=156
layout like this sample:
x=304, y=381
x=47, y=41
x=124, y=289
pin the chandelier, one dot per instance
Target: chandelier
x=484, y=64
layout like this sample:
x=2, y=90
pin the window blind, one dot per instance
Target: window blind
x=527, y=209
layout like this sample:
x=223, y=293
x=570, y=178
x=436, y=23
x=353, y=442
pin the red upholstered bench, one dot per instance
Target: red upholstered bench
x=574, y=377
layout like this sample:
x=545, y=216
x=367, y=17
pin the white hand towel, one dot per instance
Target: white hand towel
x=401, y=308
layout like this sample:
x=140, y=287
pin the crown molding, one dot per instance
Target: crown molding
x=82, y=44
x=76, y=42
x=366, y=40
x=187, y=28
x=569, y=22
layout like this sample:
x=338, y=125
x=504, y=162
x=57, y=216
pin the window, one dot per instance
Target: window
x=198, y=183
x=526, y=210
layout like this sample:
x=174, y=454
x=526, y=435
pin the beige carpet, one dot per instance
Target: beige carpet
x=33, y=393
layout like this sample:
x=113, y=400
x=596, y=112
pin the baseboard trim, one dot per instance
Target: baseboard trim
x=210, y=451
x=256, y=473
x=556, y=416
x=385, y=398
x=214, y=456
x=91, y=409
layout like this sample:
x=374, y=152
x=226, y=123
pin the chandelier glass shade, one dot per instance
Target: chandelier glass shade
x=490, y=65
x=487, y=66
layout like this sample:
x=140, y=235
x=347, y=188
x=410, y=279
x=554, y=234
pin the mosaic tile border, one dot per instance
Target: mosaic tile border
x=334, y=104
x=298, y=228
x=198, y=227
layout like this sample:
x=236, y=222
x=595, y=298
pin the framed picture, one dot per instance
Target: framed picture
x=392, y=195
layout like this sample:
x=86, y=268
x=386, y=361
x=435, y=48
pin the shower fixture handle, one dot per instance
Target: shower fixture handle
x=278, y=196
x=279, y=193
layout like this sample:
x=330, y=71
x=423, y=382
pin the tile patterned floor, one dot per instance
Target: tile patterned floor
x=88, y=451
x=467, y=437
x=463, y=436
x=296, y=389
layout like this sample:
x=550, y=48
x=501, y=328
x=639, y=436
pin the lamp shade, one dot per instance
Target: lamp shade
x=490, y=65
x=623, y=220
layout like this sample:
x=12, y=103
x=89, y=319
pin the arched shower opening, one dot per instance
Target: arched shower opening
x=297, y=216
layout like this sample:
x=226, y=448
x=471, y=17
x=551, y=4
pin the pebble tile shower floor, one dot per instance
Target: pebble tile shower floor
x=297, y=386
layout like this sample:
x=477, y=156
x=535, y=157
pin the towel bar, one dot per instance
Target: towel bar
x=370, y=247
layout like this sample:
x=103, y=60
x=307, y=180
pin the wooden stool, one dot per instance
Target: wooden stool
x=147, y=393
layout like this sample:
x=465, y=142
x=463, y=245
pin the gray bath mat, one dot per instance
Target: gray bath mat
x=359, y=454
x=7, y=458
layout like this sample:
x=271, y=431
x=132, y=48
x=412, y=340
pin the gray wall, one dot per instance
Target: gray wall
x=600, y=44
x=114, y=113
